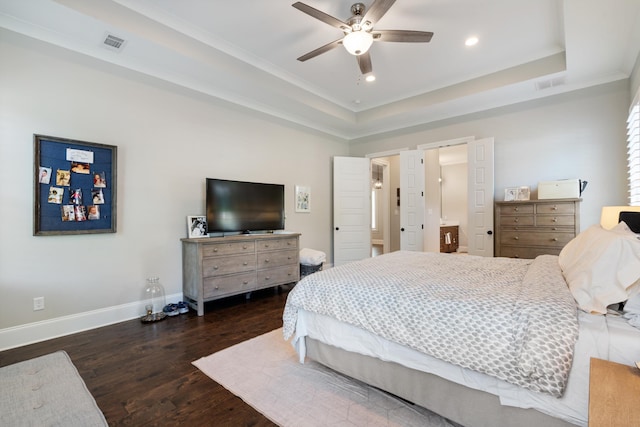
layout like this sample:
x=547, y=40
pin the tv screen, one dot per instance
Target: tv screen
x=244, y=206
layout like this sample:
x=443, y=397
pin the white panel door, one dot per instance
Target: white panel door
x=411, y=200
x=351, y=209
x=480, y=156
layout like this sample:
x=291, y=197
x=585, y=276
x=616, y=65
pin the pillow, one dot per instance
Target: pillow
x=601, y=266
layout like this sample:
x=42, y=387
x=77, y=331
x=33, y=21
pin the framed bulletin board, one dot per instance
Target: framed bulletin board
x=75, y=186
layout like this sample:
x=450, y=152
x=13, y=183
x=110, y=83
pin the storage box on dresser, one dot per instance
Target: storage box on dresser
x=526, y=229
x=218, y=267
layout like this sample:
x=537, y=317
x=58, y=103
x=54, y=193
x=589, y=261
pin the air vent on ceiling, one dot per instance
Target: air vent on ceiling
x=112, y=42
x=548, y=84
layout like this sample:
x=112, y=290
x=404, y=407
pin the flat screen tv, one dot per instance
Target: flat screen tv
x=238, y=206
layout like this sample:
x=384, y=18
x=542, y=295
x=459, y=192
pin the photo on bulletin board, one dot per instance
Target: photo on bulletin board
x=71, y=179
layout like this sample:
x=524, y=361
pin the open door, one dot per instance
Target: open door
x=351, y=209
x=480, y=156
x=411, y=200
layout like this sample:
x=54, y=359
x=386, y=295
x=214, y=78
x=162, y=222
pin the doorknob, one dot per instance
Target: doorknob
x=402, y=229
x=489, y=232
x=337, y=228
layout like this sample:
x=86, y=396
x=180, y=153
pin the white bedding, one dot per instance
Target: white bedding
x=509, y=318
x=605, y=337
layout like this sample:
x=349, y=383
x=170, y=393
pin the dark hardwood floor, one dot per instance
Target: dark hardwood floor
x=141, y=374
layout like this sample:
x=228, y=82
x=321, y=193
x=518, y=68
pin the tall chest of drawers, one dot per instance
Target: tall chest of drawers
x=526, y=229
x=219, y=267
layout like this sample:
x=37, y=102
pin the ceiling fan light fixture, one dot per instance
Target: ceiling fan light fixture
x=357, y=42
x=370, y=78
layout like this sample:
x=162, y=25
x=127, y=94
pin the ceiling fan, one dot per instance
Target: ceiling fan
x=359, y=33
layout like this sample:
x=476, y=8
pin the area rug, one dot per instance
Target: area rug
x=46, y=391
x=266, y=374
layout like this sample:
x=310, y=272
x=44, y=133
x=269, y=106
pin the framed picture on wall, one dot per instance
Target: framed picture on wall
x=303, y=198
x=67, y=173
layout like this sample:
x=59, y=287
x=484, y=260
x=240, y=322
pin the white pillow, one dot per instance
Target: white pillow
x=601, y=266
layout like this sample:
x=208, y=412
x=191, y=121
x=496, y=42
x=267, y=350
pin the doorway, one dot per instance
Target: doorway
x=380, y=222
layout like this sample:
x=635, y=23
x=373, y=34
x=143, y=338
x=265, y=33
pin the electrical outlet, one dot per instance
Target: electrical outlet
x=38, y=303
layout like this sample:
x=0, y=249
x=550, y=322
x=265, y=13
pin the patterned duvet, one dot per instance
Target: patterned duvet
x=509, y=318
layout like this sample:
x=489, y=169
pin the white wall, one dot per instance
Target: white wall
x=169, y=141
x=581, y=134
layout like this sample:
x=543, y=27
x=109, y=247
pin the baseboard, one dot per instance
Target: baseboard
x=30, y=333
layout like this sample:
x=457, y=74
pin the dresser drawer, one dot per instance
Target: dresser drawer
x=538, y=238
x=228, y=265
x=268, y=259
x=233, y=284
x=555, y=221
x=231, y=248
x=276, y=276
x=508, y=220
x=556, y=208
x=276, y=244
x=527, y=253
x=517, y=209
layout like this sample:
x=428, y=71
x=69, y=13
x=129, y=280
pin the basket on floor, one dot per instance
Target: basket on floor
x=306, y=270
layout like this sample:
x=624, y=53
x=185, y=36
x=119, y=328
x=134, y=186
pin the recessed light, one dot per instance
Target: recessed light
x=471, y=41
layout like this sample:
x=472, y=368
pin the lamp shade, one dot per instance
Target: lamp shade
x=357, y=42
x=610, y=215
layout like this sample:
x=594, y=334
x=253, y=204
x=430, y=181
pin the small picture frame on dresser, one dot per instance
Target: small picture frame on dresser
x=524, y=193
x=197, y=226
x=510, y=194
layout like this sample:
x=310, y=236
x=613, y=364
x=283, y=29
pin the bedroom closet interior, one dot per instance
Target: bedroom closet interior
x=446, y=199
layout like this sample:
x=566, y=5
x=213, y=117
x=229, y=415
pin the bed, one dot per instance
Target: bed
x=481, y=341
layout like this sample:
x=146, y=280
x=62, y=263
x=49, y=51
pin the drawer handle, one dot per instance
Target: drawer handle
x=288, y=257
x=555, y=219
x=266, y=260
x=289, y=243
x=216, y=287
x=244, y=246
x=516, y=220
x=246, y=282
x=266, y=245
x=515, y=209
x=215, y=249
x=245, y=263
x=215, y=267
x=555, y=239
x=555, y=208
x=267, y=278
x=516, y=238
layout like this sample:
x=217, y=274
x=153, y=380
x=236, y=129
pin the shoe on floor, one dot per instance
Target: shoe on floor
x=171, y=310
x=183, y=307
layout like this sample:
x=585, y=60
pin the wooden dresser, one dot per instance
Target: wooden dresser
x=448, y=238
x=526, y=229
x=218, y=267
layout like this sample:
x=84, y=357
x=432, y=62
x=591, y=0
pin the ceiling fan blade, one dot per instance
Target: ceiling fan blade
x=327, y=19
x=377, y=11
x=327, y=47
x=364, y=61
x=407, y=36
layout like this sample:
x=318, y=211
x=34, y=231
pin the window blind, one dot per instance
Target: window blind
x=633, y=151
